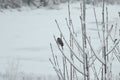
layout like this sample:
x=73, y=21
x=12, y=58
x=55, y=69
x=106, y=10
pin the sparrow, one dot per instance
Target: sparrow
x=60, y=42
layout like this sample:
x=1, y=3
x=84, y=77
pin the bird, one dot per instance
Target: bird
x=60, y=42
x=119, y=14
x=115, y=40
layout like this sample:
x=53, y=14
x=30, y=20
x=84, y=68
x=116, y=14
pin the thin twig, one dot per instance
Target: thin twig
x=94, y=51
x=68, y=59
x=114, y=46
x=53, y=54
x=76, y=42
x=96, y=23
x=67, y=43
x=56, y=70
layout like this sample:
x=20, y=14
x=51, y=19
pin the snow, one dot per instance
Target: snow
x=25, y=36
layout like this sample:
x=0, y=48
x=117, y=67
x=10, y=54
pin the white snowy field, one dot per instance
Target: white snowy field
x=25, y=36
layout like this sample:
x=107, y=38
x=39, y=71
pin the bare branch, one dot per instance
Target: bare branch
x=67, y=43
x=96, y=23
x=109, y=31
x=94, y=52
x=76, y=42
x=71, y=62
x=53, y=54
x=95, y=57
x=55, y=62
x=56, y=70
x=113, y=47
x=116, y=56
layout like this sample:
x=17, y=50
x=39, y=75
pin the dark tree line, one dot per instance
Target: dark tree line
x=19, y=3
x=5, y=4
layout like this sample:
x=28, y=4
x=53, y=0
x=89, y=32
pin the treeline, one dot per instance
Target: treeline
x=108, y=1
x=5, y=4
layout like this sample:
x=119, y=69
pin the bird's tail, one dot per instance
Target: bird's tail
x=62, y=47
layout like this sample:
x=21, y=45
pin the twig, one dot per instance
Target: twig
x=68, y=44
x=69, y=59
x=96, y=23
x=116, y=56
x=114, y=46
x=109, y=31
x=56, y=70
x=53, y=54
x=76, y=42
x=94, y=51
x=55, y=64
x=115, y=31
x=95, y=73
x=58, y=65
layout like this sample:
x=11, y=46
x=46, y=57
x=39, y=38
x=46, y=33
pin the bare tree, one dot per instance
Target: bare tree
x=87, y=54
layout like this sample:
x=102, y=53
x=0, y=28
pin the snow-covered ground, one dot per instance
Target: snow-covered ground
x=25, y=36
